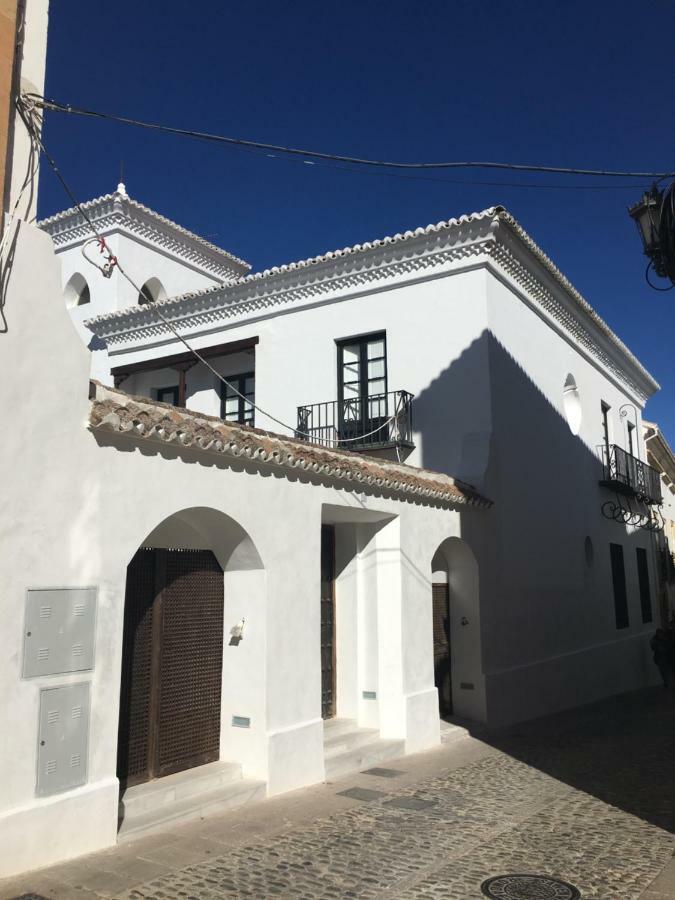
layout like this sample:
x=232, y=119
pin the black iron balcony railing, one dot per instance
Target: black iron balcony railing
x=373, y=423
x=629, y=475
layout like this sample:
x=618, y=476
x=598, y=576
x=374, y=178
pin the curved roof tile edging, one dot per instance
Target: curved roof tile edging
x=115, y=412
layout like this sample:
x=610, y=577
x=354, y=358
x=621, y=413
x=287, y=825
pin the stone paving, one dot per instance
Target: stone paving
x=496, y=815
x=586, y=797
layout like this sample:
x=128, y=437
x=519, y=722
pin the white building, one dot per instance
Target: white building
x=165, y=258
x=519, y=389
x=196, y=613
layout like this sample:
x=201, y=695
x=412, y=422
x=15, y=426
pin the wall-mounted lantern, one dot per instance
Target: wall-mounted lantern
x=654, y=216
x=237, y=633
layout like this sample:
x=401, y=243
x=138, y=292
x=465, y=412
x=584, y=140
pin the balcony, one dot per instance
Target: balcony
x=378, y=422
x=628, y=475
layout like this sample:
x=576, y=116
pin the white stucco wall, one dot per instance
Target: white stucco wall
x=553, y=640
x=79, y=506
x=487, y=365
x=143, y=261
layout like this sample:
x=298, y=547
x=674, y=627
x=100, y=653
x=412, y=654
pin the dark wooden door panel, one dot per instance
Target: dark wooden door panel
x=327, y=621
x=134, y=721
x=172, y=663
x=191, y=661
x=441, y=614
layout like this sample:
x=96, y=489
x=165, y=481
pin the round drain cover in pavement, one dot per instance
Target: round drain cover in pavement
x=528, y=887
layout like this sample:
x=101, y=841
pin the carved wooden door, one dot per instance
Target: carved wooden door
x=172, y=663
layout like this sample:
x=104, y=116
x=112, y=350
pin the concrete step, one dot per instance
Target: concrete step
x=363, y=756
x=143, y=798
x=333, y=727
x=197, y=806
x=451, y=733
x=346, y=741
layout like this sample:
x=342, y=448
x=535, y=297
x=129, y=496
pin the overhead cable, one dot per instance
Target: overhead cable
x=55, y=106
x=27, y=114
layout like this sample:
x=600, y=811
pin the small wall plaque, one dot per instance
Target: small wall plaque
x=241, y=721
x=370, y=695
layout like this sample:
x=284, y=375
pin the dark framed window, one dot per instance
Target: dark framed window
x=619, y=584
x=631, y=439
x=362, y=381
x=605, y=425
x=643, y=580
x=235, y=408
x=168, y=395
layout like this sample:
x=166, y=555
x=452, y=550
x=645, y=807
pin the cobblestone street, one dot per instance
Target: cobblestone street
x=586, y=797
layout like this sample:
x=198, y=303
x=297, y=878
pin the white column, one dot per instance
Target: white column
x=408, y=700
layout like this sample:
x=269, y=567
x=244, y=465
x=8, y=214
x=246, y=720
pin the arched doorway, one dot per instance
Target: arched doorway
x=458, y=671
x=172, y=657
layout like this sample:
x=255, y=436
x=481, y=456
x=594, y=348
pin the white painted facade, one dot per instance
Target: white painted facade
x=81, y=505
x=509, y=368
x=165, y=258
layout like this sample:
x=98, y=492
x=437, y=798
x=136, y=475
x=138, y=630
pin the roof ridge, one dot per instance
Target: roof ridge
x=63, y=215
x=305, y=263
x=505, y=216
x=497, y=213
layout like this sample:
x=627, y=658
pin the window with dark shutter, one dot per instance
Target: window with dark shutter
x=619, y=582
x=643, y=579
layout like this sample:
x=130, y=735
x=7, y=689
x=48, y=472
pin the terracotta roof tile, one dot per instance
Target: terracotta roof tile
x=139, y=418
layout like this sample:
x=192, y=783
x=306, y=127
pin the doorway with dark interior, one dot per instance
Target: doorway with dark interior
x=327, y=621
x=442, y=663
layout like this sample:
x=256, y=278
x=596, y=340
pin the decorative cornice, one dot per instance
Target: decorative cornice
x=535, y=288
x=491, y=234
x=115, y=412
x=118, y=211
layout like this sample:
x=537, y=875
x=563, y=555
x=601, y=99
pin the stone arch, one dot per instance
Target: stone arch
x=152, y=291
x=76, y=291
x=455, y=567
x=226, y=593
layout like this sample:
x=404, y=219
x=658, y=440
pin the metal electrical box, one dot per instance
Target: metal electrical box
x=63, y=738
x=59, y=631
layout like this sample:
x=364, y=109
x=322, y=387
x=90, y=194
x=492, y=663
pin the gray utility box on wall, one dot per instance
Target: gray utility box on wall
x=63, y=738
x=59, y=631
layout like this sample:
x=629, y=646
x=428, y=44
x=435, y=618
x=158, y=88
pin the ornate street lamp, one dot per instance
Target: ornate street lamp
x=646, y=214
x=653, y=216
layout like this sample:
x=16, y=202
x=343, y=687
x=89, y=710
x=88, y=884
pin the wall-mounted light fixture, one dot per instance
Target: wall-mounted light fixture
x=654, y=216
x=237, y=633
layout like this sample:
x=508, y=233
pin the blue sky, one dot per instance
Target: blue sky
x=572, y=84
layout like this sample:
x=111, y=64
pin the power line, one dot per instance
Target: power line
x=55, y=106
x=32, y=127
x=380, y=173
